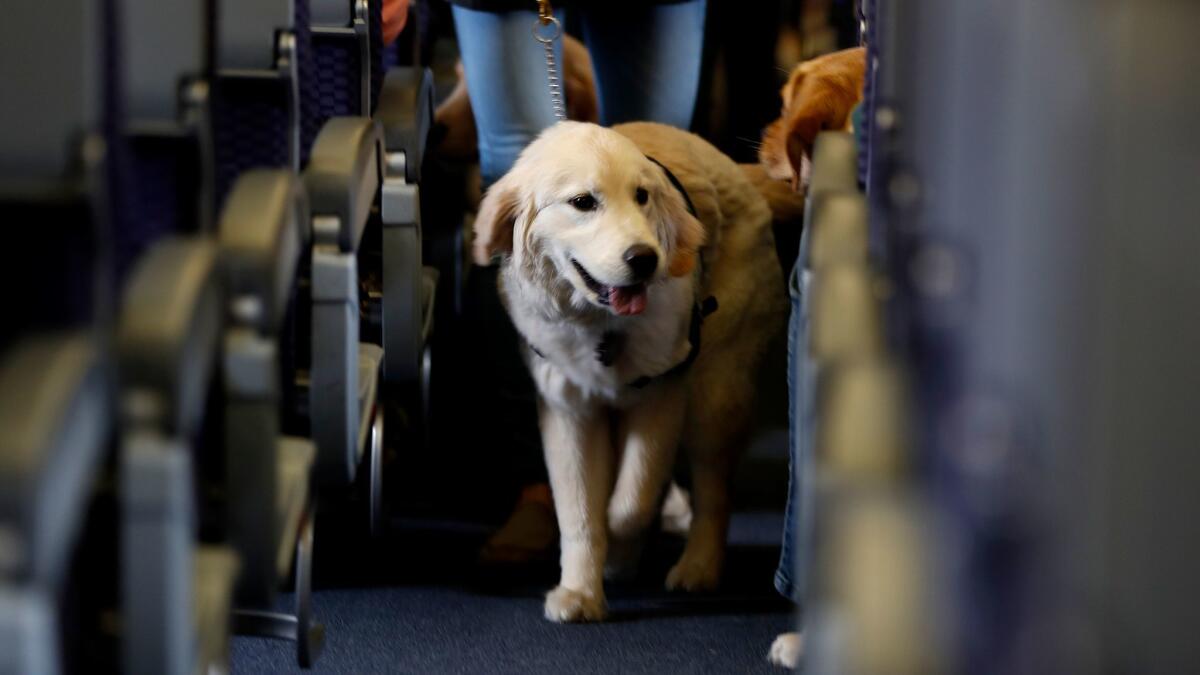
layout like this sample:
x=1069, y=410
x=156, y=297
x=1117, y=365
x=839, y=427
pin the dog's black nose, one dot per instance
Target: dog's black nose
x=642, y=260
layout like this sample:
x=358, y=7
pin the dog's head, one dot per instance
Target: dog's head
x=820, y=95
x=585, y=209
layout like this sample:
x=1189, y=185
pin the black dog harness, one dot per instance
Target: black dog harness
x=678, y=186
x=612, y=344
x=699, y=311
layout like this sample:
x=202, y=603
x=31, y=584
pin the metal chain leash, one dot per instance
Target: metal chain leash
x=547, y=36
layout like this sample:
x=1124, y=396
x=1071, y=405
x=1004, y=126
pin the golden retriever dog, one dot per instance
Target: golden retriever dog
x=638, y=265
x=820, y=95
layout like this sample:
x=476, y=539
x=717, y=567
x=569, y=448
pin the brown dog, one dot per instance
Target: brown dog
x=819, y=96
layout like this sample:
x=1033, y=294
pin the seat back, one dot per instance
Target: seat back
x=59, y=153
x=260, y=119
x=167, y=71
x=342, y=57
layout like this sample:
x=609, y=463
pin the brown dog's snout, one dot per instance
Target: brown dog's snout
x=642, y=261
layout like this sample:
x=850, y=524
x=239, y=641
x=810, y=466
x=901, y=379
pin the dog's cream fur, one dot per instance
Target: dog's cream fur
x=610, y=447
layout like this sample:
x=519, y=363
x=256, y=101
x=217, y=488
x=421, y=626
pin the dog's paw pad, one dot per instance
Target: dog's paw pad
x=564, y=605
x=693, y=576
x=786, y=650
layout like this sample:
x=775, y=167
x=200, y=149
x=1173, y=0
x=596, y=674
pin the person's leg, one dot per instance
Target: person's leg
x=506, y=75
x=647, y=61
x=530, y=533
x=505, y=70
x=795, y=556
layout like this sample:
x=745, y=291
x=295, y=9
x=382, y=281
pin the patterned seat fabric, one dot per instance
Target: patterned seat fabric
x=251, y=118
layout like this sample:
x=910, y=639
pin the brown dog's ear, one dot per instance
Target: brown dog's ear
x=824, y=92
x=495, y=222
x=688, y=231
x=797, y=154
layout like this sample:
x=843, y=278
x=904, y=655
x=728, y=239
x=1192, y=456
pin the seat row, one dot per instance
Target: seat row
x=218, y=243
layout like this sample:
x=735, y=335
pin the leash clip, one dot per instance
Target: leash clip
x=547, y=36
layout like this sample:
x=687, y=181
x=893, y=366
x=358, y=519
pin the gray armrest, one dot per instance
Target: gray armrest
x=263, y=229
x=166, y=344
x=840, y=231
x=54, y=425
x=863, y=434
x=834, y=170
x=835, y=162
x=158, y=530
x=343, y=177
x=847, y=321
x=405, y=111
x=168, y=331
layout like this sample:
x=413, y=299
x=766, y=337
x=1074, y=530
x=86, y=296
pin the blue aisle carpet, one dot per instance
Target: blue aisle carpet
x=420, y=606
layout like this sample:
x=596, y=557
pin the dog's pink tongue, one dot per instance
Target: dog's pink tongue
x=628, y=300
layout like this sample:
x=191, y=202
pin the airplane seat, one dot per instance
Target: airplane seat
x=833, y=218
x=56, y=376
x=342, y=58
x=263, y=232
x=341, y=170
x=263, y=52
x=854, y=469
x=373, y=195
x=266, y=236
x=859, y=487
x=379, y=56
x=177, y=581
x=405, y=112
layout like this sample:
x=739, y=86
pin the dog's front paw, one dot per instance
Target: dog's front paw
x=677, y=511
x=693, y=574
x=786, y=650
x=566, y=605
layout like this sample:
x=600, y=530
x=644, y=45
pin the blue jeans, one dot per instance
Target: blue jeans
x=647, y=63
x=794, y=556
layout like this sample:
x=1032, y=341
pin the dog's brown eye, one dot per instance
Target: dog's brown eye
x=642, y=196
x=583, y=202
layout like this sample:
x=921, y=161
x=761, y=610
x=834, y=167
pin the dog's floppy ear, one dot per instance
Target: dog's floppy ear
x=495, y=222
x=821, y=96
x=798, y=153
x=687, y=230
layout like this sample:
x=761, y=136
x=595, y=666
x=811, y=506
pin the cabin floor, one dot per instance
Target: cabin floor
x=420, y=605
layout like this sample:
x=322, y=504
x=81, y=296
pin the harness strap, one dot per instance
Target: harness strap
x=678, y=186
x=699, y=311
